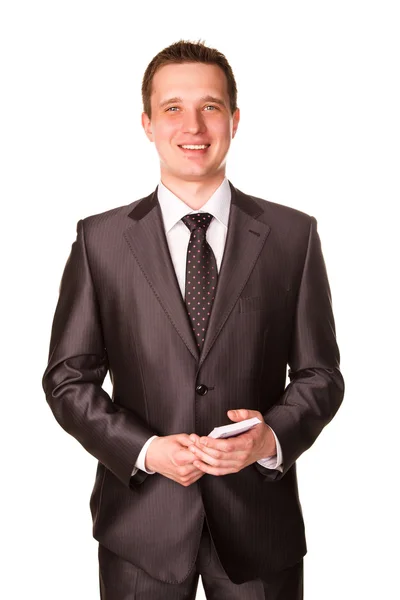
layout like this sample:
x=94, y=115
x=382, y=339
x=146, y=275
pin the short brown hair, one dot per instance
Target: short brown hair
x=186, y=52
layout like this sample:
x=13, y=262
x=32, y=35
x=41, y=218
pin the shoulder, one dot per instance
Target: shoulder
x=109, y=217
x=109, y=223
x=282, y=212
x=284, y=221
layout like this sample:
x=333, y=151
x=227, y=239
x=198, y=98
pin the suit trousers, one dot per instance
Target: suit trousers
x=121, y=580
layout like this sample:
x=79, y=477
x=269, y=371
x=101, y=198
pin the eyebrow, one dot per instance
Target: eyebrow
x=202, y=99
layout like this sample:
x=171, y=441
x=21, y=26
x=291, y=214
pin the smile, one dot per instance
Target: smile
x=194, y=149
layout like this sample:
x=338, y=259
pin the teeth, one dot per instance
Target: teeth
x=196, y=147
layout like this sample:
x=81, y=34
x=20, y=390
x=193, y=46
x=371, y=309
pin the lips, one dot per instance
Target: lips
x=194, y=152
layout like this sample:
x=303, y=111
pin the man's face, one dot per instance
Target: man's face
x=190, y=106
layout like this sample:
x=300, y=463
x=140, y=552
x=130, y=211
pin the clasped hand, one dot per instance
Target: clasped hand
x=231, y=455
x=185, y=458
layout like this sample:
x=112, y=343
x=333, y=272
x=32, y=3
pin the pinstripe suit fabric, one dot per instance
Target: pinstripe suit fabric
x=120, y=309
x=120, y=580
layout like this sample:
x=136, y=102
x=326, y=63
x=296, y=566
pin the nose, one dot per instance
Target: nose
x=193, y=122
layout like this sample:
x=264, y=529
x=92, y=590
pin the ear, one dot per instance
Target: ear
x=235, y=124
x=146, y=124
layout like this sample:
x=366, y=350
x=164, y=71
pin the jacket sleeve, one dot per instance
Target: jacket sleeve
x=316, y=387
x=76, y=369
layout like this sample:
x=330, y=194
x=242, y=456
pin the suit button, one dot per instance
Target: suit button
x=202, y=389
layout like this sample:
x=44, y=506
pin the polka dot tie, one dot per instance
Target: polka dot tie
x=201, y=275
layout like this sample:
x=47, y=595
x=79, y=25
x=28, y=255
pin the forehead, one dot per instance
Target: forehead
x=189, y=80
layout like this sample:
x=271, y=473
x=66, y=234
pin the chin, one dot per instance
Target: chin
x=192, y=176
x=191, y=173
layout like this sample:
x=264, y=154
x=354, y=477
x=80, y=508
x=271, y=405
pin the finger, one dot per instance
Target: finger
x=184, y=457
x=194, y=479
x=187, y=441
x=194, y=474
x=202, y=450
x=206, y=468
x=212, y=460
x=240, y=414
x=197, y=474
x=187, y=473
x=183, y=439
x=225, y=445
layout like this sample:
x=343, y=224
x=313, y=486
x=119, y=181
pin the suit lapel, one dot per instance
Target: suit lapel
x=245, y=238
x=148, y=243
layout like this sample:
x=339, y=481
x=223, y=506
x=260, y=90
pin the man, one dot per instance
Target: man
x=195, y=298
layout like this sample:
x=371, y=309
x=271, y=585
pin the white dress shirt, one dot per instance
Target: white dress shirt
x=178, y=235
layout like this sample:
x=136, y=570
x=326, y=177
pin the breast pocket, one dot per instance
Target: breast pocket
x=250, y=303
x=274, y=304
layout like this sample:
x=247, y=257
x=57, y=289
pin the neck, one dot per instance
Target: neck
x=193, y=193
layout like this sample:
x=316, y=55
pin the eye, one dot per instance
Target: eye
x=171, y=108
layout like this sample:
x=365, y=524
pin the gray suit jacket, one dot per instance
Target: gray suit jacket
x=120, y=309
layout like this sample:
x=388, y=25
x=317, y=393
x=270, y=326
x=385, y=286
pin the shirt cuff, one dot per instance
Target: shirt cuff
x=139, y=464
x=273, y=462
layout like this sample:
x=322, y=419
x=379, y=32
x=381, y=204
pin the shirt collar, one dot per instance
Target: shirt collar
x=173, y=208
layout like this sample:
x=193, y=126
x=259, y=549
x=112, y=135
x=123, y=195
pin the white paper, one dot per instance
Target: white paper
x=234, y=429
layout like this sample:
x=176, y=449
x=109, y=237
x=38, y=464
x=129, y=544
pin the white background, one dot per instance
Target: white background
x=319, y=96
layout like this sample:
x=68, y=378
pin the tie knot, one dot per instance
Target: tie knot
x=199, y=220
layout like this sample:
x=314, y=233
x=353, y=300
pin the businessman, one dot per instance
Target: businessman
x=196, y=299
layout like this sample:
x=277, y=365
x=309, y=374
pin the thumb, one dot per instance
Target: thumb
x=241, y=414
